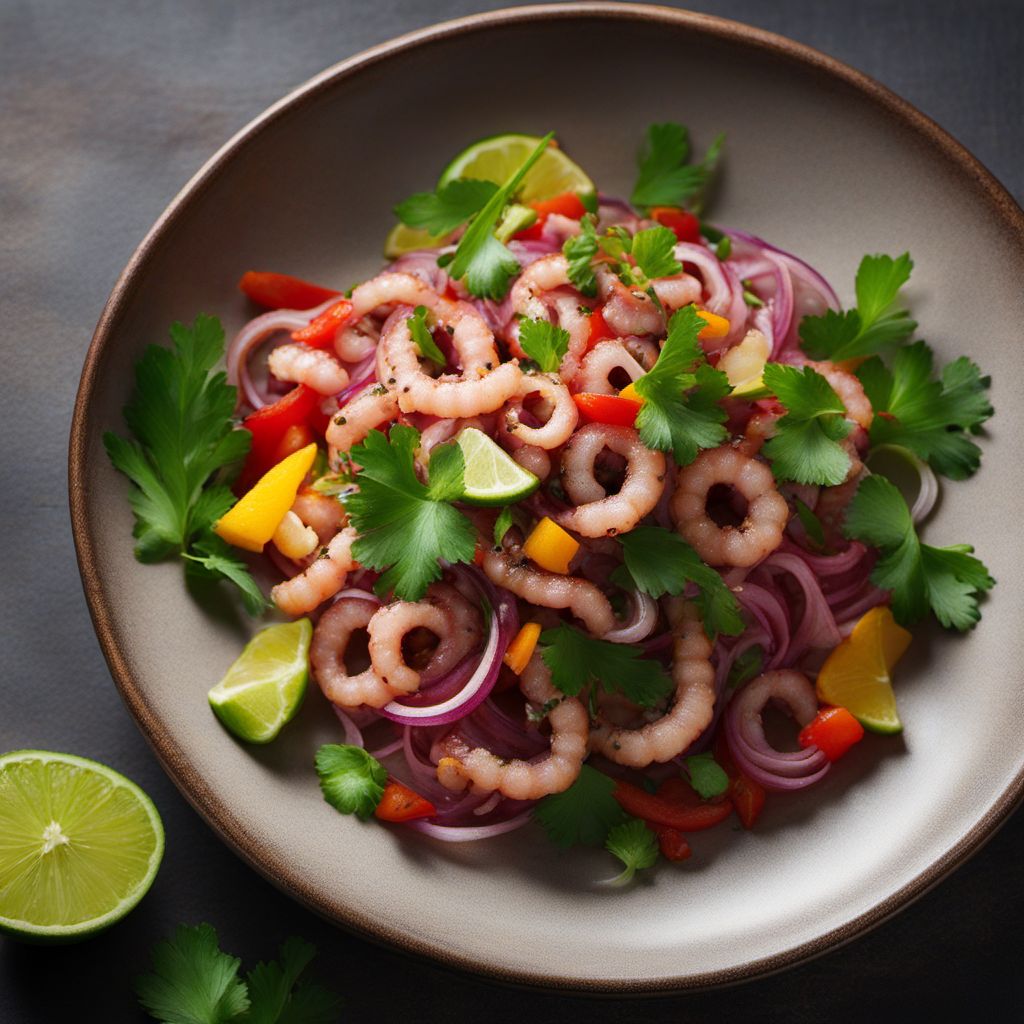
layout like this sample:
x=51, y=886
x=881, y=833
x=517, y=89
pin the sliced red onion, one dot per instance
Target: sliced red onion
x=641, y=622
x=725, y=291
x=828, y=565
x=353, y=735
x=423, y=264
x=773, y=616
x=812, y=287
x=817, y=627
x=927, y=483
x=470, y=833
x=388, y=749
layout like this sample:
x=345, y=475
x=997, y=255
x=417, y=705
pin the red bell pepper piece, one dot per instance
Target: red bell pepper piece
x=620, y=412
x=400, y=803
x=568, y=204
x=272, y=433
x=833, y=731
x=747, y=796
x=672, y=843
x=685, y=225
x=280, y=291
x=599, y=330
x=673, y=806
x=321, y=330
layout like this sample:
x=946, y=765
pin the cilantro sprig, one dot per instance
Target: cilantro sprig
x=933, y=418
x=868, y=328
x=665, y=176
x=351, y=779
x=707, y=776
x=441, y=212
x=946, y=580
x=406, y=527
x=635, y=845
x=682, y=411
x=583, y=813
x=579, y=251
x=423, y=339
x=194, y=982
x=181, y=416
x=544, y=342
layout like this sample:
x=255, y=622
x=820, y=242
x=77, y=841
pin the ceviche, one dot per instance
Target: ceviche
x=570, y=506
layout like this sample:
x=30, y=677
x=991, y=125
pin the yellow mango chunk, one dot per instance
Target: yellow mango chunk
x=550, y=546
x=629, y=391
x=252, y=520
x=716, y=326
x=519, y=652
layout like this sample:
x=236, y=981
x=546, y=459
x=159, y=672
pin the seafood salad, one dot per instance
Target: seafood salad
x=583, y=512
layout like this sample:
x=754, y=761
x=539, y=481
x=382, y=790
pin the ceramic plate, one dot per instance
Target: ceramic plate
x=821, y=161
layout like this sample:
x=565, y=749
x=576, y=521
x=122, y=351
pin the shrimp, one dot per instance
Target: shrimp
x=544, y=277
x=310, y=366
x=443, y=611
x=692, y=704
x=327, y=656
x=325, y=514
x=678, y=291
x=560, y=424
x=370, y=408
x=598, y=365
x=511, y=569
x=627, y=310
x=389, y=289
x=357, y=341
x=759, y=534
x=533, y=459
x=322, y=579
x=598, y=514
x=849, y=389
x=460, y=765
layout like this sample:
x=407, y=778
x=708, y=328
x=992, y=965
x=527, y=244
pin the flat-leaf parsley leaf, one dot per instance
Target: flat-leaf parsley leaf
x=351, y=779
x=443, y=211
x=583, y=813
x=665, y=177
x=544, y=342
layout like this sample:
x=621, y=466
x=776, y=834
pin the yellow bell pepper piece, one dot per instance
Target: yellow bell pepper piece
x=550, y=546
x=252, y=520
x=629, y=391
x=522, y=647
x=717, y=326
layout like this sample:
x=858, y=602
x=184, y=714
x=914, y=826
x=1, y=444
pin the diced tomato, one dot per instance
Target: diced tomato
x=280, y=291
x=400, y=803
x=672, y=843
x=599, y=330
x=320, y=331
x=479, y=554
x=685, y=225
x=568, y=204
x=833, y=731
x=619, y=412
x=270, y=428
x=673, y=806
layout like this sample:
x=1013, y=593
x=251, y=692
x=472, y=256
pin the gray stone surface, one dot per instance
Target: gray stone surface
x=105, y=110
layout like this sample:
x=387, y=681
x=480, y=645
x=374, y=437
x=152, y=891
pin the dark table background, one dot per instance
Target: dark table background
x=106, y=109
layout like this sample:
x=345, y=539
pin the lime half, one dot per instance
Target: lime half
x=402, y=239
x=79, y=845
x=264, y=688
x=492, y=476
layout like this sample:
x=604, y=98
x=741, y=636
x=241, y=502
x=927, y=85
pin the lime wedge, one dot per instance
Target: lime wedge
x=402, y=239
x=492, y=476
x=264, y=688
x=79, y=845
x=497, y=158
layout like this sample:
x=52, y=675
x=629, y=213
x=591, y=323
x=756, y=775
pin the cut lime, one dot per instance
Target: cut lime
x=492, y=476
x=79, y=845
x=402, y=239
x=497, y=158
x=264, y=688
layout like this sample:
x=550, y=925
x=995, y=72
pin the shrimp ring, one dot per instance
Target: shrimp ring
x=327, y=656
x=321, y=579
x=562, y=421
x=370, y=408
x=598, y=364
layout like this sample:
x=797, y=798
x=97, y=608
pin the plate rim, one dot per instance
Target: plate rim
x=218, y=815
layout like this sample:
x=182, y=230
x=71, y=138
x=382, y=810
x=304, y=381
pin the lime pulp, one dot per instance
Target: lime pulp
x=492, y=476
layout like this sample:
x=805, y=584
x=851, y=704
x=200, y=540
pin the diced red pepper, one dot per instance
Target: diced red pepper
x=833, y=731
x=599, y=330
x=280, y=291
x=321, y=330
x=270, y=428
x=685, y=225
x=619, y=412
x=672, y=843
x=747, y=796
x=568, y=204
x=672, y=806
x=400, y=803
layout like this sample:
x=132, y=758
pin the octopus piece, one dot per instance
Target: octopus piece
x=692, y=703
x=597, y=513
x=563, y=417
x=313, y=367
x=598, y=365
x=322, y=579
x=758, y=535
x=372, y=407
x=627, y=310
x=459, y=765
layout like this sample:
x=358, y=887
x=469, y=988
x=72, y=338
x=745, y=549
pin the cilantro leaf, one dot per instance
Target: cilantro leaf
x=811, y=524
x=654, y=252
x=485, y=263
x=805, y=447
x=192, y=981
x=707, y=776
x=503, y=524
x=681, y=411
x=930, y=417
x=579, y=250
x=406, y=528
x=422, y=337
x=635, y=845
x=441, y=212
x=583, y=813
x=576, y=660
x=660, y=562
x=544, y=342
x=948, y=580
x=214, y=559
x=351, y=779
x=279, y=994
x=665, y=178
x=868, y=328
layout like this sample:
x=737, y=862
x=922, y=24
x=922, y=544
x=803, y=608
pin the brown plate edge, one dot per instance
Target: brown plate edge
x=232, y=829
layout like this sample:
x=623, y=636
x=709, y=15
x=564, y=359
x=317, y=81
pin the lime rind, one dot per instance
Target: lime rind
x=82, y=874
x=492, y=477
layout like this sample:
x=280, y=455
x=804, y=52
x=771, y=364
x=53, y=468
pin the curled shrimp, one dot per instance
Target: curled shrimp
x=627, y=310
x=758, y=535
x=313, y=367
x=678, y=291
x=321, y=579
x=560, y=423
x=599, y=363
x=325, y=514
x=331, y=638
x=370, y=408
x=512, y=570
x=445, y=613
x=692, y=703
x=597, y=513
x=460, y=765
x=357, y=341
x=849, y=389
